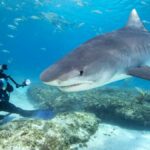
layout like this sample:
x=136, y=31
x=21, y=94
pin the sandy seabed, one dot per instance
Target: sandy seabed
x=111, y=137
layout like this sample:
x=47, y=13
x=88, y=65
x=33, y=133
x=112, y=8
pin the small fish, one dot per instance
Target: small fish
x=12, y=27
x=79, y=3
x=58, y=5
x=80, y=25
x=35, y=17
x=2, y=3
x=9, y=61
x=10, y=36
x=143, y=3
x=43, y=49
x=9, y=8
x=97, y=11
x=146, y=21
x=5, y=51
x=19, y=20
x=38, y=2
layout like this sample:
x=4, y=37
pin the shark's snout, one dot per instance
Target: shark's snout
x=65, y=80
x=50, y=76
x=44, y=76
x=47, y=80
x=58, y=76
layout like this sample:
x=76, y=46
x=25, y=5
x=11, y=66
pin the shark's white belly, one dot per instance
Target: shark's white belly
x=117, y=77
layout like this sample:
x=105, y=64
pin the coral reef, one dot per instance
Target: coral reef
x=144, y=95
x=62, y=132
x=120, y=106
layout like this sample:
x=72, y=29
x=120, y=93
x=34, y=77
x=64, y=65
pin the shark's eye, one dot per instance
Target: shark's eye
x=81, y=72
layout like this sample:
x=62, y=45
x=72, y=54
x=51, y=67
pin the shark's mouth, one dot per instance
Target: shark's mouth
x=75, y=87
x=69, y=86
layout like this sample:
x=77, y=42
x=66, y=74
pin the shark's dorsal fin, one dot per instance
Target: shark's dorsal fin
x=134, y=20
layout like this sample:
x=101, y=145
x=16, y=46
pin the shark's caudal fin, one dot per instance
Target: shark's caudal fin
x=134, y=21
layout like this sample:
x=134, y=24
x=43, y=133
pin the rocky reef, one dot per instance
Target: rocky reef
x=61, y=133
x=129, y=107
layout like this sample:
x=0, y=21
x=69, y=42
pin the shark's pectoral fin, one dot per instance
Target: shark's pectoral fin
x=141, y=72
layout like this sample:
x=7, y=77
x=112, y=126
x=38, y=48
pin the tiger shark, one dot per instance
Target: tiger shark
x=104, y=59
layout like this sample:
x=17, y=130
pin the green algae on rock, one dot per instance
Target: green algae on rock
x=120, y=106
x=42, y=96
x=61, y=132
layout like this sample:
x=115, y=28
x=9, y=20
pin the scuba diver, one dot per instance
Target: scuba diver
x=6, y=88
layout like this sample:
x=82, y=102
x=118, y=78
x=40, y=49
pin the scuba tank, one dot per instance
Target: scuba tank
x=3, y=84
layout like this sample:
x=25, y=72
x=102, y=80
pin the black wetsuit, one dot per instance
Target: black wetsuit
x=11, y=108
x=6, y=106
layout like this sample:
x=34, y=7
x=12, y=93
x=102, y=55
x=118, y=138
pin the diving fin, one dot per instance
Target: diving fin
x=43, y=114
x=4, y=116
x=140, y=72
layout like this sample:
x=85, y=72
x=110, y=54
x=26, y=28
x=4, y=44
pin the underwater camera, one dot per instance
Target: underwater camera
x=26, y=82
x=4, y=78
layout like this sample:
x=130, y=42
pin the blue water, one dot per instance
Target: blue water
x=37, y=33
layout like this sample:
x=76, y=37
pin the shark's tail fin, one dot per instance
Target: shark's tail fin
x=135, y=21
